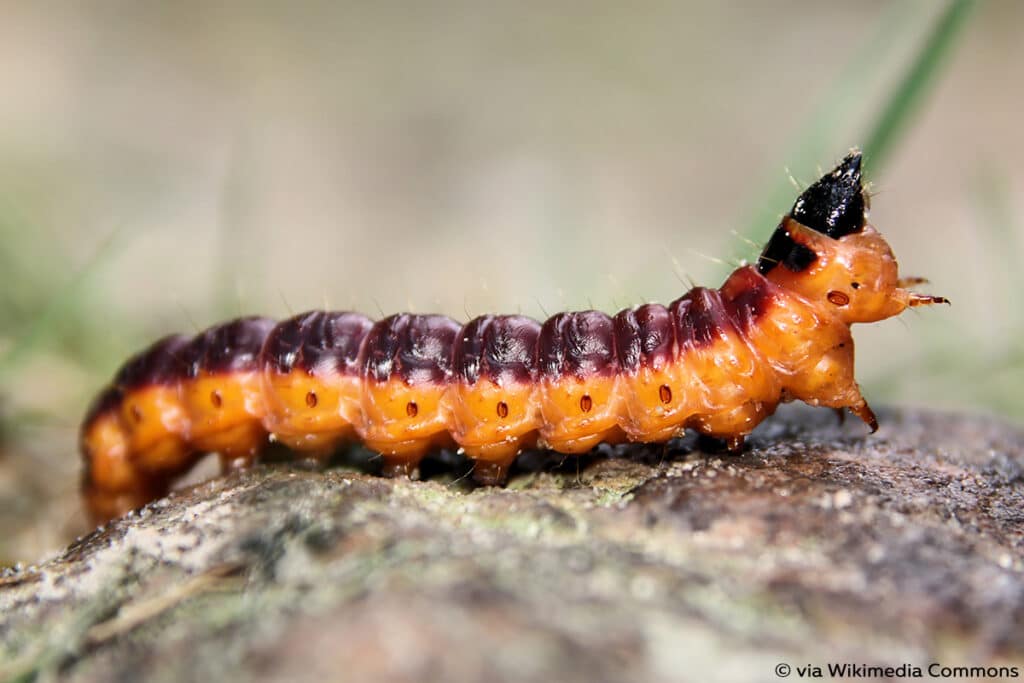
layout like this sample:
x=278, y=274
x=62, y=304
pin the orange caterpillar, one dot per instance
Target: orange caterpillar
x=716, y=360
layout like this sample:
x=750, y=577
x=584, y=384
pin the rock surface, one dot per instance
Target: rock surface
x=817, y=545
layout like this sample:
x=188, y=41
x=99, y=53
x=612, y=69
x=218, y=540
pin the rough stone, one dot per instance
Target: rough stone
x=817, y=545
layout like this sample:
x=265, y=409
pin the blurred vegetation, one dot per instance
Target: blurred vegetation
x=985, y=365
x=51, y=305
x=476, y=158
x=77, y=296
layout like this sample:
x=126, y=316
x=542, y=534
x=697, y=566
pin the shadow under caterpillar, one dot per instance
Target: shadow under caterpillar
x=716, y=360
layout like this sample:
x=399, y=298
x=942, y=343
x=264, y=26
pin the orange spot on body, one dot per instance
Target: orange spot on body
x=310, y=413
x=403, y=419
x=224, y=412
x=493, y=422
x=580, y=413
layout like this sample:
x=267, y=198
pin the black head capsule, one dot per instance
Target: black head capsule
x=834, y=206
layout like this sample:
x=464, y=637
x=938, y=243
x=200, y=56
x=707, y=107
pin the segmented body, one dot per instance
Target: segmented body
x=716, y=360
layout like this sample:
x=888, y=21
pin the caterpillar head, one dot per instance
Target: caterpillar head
x=826, y=251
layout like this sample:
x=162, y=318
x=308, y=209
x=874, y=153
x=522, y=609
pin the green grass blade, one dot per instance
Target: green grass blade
x=853, y=84
x=905, y=99
x=60, y=305
x=818, y=133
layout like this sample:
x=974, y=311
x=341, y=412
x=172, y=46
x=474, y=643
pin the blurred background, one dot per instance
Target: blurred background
x=164, y=166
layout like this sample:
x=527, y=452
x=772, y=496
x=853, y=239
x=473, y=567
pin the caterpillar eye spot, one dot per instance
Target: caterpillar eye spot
x=411, y=409
x=215, y=399
x=311, y=399
x=502, y=409
x=665, y=394
x=838, y=298
x=586, y=403
x=855, y=285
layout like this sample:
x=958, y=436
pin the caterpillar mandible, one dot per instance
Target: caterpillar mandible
x=715, y=360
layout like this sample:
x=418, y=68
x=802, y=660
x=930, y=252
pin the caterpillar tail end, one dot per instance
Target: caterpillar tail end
x=103, y=505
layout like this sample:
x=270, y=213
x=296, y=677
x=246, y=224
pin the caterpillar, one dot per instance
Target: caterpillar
x=715, y=360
